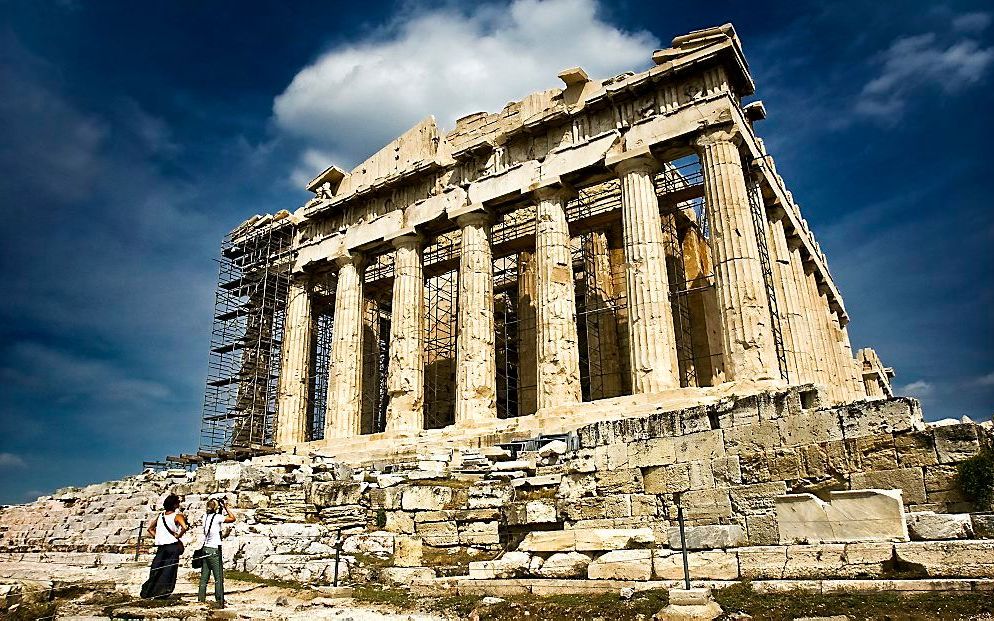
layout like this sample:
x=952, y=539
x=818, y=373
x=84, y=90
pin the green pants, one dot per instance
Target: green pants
x=212, y=565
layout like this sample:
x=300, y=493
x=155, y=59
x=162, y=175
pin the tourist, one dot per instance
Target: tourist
x=167, y=529
x=216, y=507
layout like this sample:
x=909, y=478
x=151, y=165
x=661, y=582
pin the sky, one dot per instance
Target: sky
x=134, y=136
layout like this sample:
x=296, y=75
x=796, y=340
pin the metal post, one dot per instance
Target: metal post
x=138, y=546
x=683, y=546
x=338, y=551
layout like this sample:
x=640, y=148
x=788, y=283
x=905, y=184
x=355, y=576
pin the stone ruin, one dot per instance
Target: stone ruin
x=503, y=356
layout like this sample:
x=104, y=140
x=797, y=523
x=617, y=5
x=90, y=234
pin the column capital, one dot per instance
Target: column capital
x=474, y=218
x=629, y=161
x=408, y=240
x=717, y=135
x=353, y=258
x=552, y=191
x=301, y=279
x=775, y=212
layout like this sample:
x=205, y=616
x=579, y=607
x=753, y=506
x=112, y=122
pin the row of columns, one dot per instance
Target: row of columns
x=748, y=343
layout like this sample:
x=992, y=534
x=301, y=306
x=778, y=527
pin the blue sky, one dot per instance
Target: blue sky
x=132, y=137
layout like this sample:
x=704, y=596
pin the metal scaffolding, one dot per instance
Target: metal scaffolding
x=375, y=349
x=759, y=223
x=246, y=339
x=441, y=286
x=324, y=325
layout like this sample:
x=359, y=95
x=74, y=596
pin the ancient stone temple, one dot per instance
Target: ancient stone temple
x=574, y=346
x=608, y=242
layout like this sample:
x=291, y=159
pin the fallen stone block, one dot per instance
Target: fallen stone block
x=510, y=565
x=690, y=605
x=621, y=565
x=709, y=537
x=586, y=539
x=426, y=497
x=564, y=565
x=954, y=443
x=709, y=565
x=858, y=515
x=931, y=526
x=556, y=447
x=406, y=575
x=948, y=559
x=531, y=512
x=909, y=480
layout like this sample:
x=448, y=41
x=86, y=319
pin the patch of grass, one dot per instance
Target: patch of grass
x=461, y=605
x=29, y=611
x=369, y=560
x=455, y=557
x=788, y=605
x=976, y=478
x=376, y=594
x=572, y=607
x=244, y=576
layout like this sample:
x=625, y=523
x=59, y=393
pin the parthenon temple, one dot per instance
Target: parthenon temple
x=604, y=246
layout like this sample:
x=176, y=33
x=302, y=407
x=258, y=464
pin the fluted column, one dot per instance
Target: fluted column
x=527, y=359
x=476, y=369
x=291, y=409
x=344, y=412
x=846, y=360
x=824, y=351
x=796, y=335
x=750, y=352
x=652, y=342
x=406, y=369
x=555, y=303
x=811, y=346
x=840, y=376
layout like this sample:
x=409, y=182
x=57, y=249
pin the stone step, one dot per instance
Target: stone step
x=548, y=586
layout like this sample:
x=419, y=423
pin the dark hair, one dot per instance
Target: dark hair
x=171, y=503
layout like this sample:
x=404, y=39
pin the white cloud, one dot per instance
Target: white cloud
x=447, y=62
x=986, y=380
x=10, y=460
x=918, y=388
x=972, y=22
x=917, y=62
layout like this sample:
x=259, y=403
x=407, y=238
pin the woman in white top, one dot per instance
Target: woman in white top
x=217, y=513
x=167, y=528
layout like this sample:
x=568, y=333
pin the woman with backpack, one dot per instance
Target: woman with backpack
x=166, y=529
x=217, y=513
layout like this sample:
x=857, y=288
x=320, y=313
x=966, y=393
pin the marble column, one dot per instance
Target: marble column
x=650, y=316
x=555, y=303
x=344, y=412
x=824, y=347
x=476, y=368
x=846, y=360
x=793, y=324
x=817, y=372
x=291, y=409
x=527, y=359
x=406, y=368
x=749, y=349
x=840, y=375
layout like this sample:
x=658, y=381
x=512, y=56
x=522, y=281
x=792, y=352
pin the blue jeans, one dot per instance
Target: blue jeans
x=212, y=565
